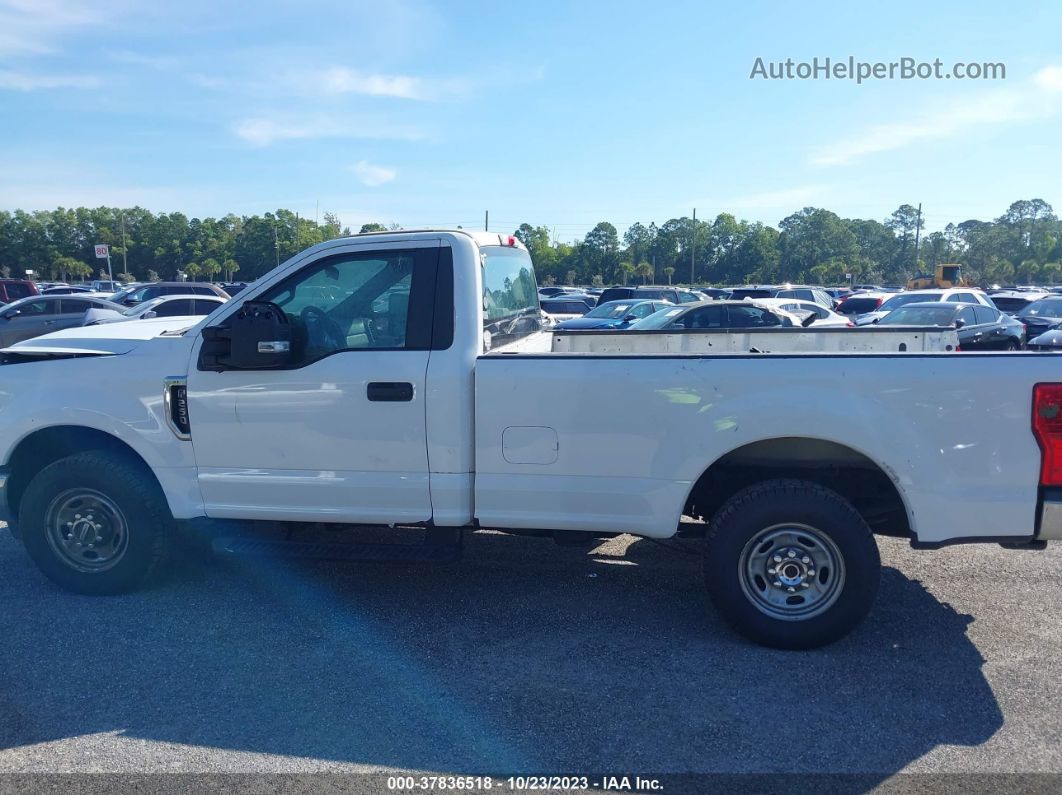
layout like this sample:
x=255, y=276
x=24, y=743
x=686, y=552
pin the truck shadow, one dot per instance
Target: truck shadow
x=522, y=658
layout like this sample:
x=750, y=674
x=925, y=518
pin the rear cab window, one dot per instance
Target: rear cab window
x=510, y=296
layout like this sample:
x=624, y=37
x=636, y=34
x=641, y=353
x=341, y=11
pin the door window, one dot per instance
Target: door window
x=74, y=306
x=642, y=310
x=751, y=317
x=985, y=314
x=42, y=307
x=372, y=301
x=708, y=317
x=967, y=316
x=177, y=308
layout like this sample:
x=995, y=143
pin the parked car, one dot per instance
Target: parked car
x=816, y=294
x=233, y=287
x=104, y=286
x=1041, y=316
x=163, y=306
x=14, y=289
x=717, y=315
x=958, y=295
x=824, y=317
x=673, y=294
x=862, y=302
x=137, y=294
x=1013, y=301
x=614, y=314
x=1048, y=341
x=36, y=315
x=567, y=306
x=979, y=327
x=66, y=289
x=547, y=292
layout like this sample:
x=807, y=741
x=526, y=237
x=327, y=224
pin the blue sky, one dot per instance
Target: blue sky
x=560, y=114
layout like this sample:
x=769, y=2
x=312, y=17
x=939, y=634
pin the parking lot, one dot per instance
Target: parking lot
x=528, y=658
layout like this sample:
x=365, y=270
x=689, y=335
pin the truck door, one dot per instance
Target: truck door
x=337, y=434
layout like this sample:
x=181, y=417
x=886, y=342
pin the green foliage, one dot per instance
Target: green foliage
x=373, y=227
x=814, y=245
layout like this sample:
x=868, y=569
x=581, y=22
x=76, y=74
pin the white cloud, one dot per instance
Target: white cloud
x=339, y=80
x=21, y=81
x=263, y=132
x=372, y=175
x=1036, y=98
x=33, y=26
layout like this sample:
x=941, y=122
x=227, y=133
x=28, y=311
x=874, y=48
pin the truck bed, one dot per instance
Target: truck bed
x=616, y=442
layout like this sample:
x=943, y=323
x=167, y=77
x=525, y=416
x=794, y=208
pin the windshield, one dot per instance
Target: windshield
x=1050, y=307
x=908, y=298
x=612, y=309
x=943, y=315
x=658, y=319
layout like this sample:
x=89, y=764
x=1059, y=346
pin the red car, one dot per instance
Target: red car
x=13, y=289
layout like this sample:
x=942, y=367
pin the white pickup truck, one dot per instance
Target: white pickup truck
x=405, y=379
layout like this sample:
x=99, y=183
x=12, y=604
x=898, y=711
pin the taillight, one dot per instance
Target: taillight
x=1047, y=428
x=878, y=303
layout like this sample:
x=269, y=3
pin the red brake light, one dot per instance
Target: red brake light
x=878, y=303
x=1047, y=427
x=512, y=240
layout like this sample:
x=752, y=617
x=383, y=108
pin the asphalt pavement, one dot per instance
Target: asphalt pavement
x=525, y=657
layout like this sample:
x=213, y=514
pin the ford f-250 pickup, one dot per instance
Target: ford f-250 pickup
x=405, y=379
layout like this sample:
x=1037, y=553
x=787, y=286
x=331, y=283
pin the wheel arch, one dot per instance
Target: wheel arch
x=870, y=486
x=45, y=446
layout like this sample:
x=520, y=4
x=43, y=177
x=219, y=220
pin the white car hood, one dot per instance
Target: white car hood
x=102, y=340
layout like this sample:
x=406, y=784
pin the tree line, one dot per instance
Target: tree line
x=814, y=245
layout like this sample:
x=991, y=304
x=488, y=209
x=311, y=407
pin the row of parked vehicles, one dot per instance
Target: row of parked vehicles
x=52, y=307
x=996, y=320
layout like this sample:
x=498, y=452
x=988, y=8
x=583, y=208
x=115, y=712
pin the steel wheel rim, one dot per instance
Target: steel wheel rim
x=86, y=530
x=791, y=571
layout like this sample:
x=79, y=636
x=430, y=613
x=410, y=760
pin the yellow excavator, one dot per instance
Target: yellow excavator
x=944, y=276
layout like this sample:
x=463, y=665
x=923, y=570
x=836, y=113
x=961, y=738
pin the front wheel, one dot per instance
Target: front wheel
x=791, y=564
x=96, y=523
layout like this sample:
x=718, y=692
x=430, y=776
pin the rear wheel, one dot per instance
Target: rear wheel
x=96, y=523
x=1012, y=345
x=790, y=564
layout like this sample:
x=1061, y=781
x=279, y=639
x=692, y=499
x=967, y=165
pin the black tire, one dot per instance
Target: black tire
x=128, y=492
x=743, y=528
x=1012, y=345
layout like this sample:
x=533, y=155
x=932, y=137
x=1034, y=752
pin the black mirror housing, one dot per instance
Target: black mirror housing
x=256, y=337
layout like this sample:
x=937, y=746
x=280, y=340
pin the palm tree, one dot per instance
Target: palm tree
x=626, y=269
x=645, y=270
x=669, y=272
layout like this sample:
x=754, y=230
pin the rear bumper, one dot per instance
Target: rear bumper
x=1050, y=528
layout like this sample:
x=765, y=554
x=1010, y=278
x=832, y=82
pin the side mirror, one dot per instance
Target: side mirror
x=960, y=323
x=256, y=337
x=876, y=320
x=130, y=301
x=11, y=313
x=630, y=318
x=149, y=315
x=808, y=320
